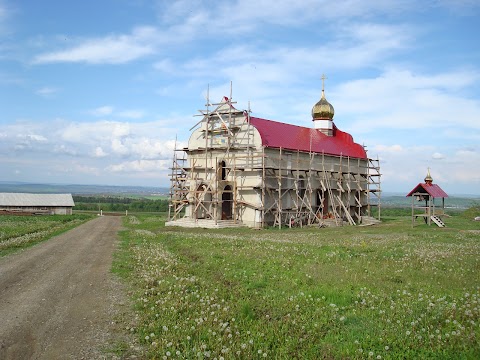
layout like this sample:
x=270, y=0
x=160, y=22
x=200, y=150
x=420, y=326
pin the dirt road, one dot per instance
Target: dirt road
x=58, y=299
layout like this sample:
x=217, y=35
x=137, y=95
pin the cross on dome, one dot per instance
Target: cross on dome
x=323, y=82
x=323, y=109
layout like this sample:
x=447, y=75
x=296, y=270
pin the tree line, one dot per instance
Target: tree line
x=112, y=203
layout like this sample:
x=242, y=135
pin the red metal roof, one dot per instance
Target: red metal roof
x=292, y=137
x=433, y=190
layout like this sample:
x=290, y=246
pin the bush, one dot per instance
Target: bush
x=472, y=212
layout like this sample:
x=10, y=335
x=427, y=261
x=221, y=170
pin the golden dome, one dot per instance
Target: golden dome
x=323, y=109
x=428, y=179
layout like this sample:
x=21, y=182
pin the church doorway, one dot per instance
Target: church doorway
x=322, y=200
x=227, y=203
x=203, y=202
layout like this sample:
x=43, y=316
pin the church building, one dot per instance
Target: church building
x=241, y=170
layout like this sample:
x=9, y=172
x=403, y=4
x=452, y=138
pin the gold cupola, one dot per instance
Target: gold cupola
x=428, y=179
x=322, y=113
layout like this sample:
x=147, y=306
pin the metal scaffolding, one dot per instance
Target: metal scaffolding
x=217, y=182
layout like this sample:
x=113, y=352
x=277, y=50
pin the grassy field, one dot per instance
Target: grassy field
x=388, y=291
x=18, y=232
x=381, y=292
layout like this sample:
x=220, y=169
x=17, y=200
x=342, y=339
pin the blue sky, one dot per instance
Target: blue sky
x=95, y=92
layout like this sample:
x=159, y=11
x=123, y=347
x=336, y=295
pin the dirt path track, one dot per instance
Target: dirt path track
x=57, y=298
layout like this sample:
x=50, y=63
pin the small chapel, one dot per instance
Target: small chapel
x=425, y=195
x=241, y=170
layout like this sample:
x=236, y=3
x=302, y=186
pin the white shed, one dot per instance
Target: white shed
x=59, y=204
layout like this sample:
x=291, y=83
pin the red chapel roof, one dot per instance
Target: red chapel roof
x=433, y=190
x=292, y=137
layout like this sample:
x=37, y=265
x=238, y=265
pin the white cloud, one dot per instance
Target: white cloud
x=120, y=129
x=131, y=114
x=112, y=49
x=47, y=91
x=165, y=65
x=93, y=133
x=184, y=23
x=451, y=168
x=101, y=139
x=86, y=169
x=438, y=156
x=102, y=110
x=5, y=13
x=459, y=172
x=34, y=137
x=388, y=149
x=467, y=154
x=65, y=150
x=76, y=168
x=140, y=166
x=354, y=46
x=264, y=73
x=108, y=110
x=240, y=17
x=99, y=152
x=147, y=149
x=274, y=51
x=119, y=148
x=137, y=151
x=25, y=141
x=400, y=99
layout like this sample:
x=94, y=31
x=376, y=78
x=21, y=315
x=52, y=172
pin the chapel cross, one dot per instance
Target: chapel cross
x=323, y=81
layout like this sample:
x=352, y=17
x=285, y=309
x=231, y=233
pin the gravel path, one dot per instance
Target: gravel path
x=58, y=299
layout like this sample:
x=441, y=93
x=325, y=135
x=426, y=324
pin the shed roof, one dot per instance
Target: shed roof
x=286, y=136
x=433, y=190
x=23, y=199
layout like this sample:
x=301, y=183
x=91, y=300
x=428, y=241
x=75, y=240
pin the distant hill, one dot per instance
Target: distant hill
x=453, y=201
x=388, y=199
x=18, y=187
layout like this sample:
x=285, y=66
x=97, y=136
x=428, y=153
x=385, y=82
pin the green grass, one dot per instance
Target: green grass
x=388, y=291
x=19, y=232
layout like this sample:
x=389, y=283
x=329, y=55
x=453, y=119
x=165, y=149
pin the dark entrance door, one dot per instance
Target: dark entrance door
x=322, y=198
x=227, y=202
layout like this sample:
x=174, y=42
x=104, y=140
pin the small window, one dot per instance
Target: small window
x=301, y=187
x=223, y=170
